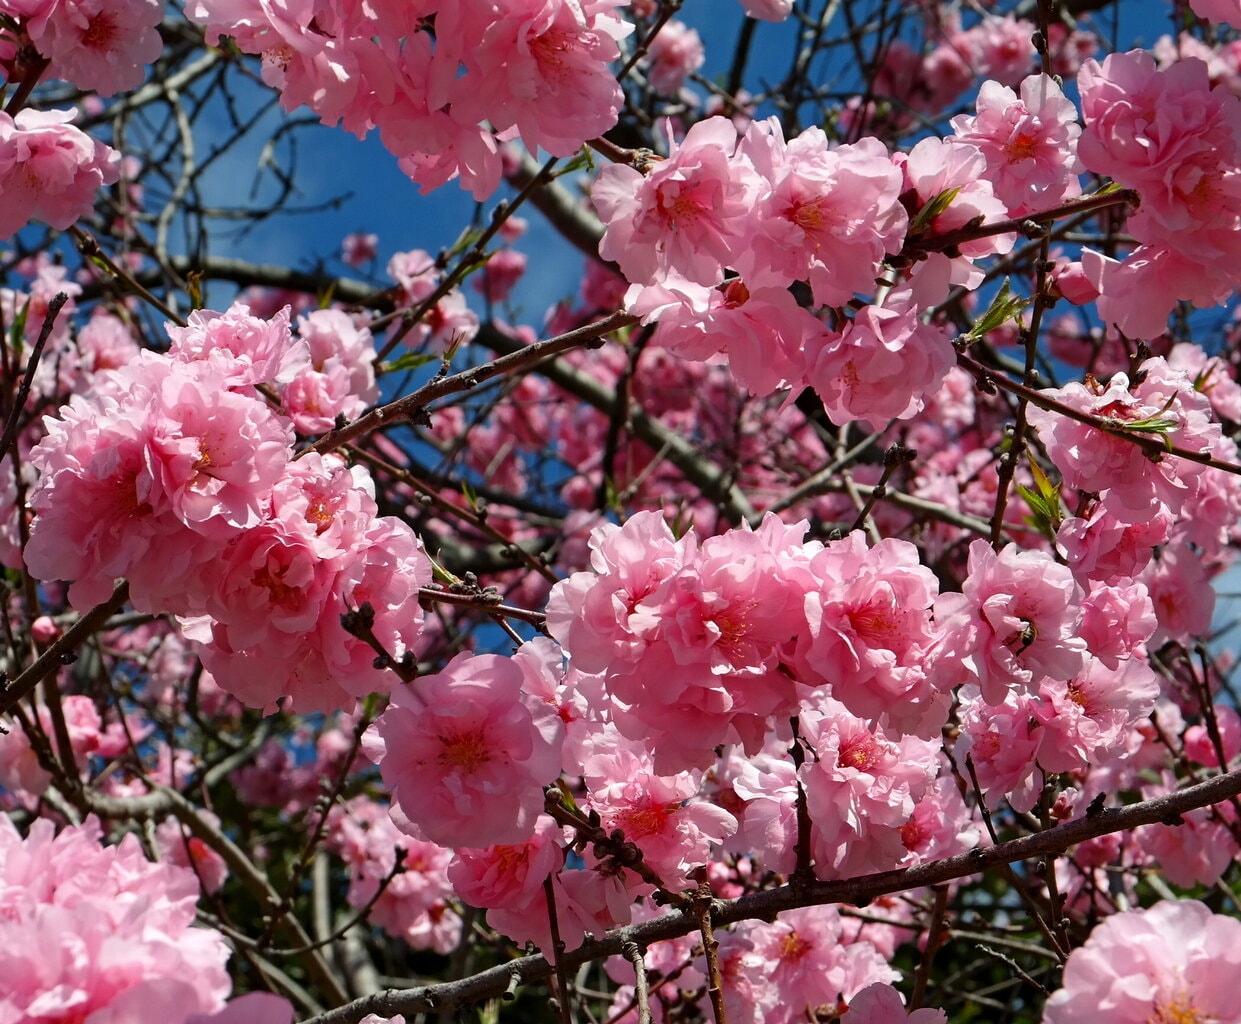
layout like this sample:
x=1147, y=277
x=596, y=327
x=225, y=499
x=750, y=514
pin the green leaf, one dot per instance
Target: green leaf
x=582, y=160
x=933, y=209
x=409, y=361
x=1004, y=307
x=17, y=333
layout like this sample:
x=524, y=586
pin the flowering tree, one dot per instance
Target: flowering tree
x=811, y=615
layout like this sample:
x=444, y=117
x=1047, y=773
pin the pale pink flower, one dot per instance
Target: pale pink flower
x=49, y=170
x=1002, y=740
x=252, y=1008
x=497, y=278
x=691, y=214
x=241, y=347
x=1015, y=620
x=999, y=47
x=359, y=248
x=1164, y=404
x=1089, y=719
x=1030, y=143
x=537, y=69
x=803, y=963
x=1101, y=547
x=673, y=55
x=1200, y=747
x=861, y=788
x=941, y=825
x=100, y=45
x=1217, y=10
x=760, y=331
x=1212, y=375
x=508, y=876
x=1172, y=961
x=869, y=632
x=882, y=1004
x=655, y=812
x=465, y=755
x=768, y=10
x=177, y=846
x=1168, y=135
x=830, y=217
x=880, y=367
x=1180, y=588
x=92, y=932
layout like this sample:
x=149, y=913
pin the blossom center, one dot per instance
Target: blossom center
x=464, y=752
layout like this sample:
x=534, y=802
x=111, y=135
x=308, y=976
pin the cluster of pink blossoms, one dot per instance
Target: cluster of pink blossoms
x=99, y=933
x=445, y=83
x=176, y=474
x=712, y=237
x=1177, y=141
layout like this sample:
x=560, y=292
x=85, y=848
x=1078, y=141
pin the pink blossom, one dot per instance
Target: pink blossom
x=252, y=1008
x=655, y=812
x=243, y=348
x=691, y=214
x=1181, y=591
x=1029, y=143
x=879, y=367
x=999, y=47
x=1166, y=134
x=1170, y=961
x=1100, y=547
x=177, y=846
x=537, y=67
x=768, y=10
x=505, y=877
x=1217, y=10
x=803, y=963
x=830, y=217
x=941, y=825
x=90, y=931
x=359, y=248
x=1015, y=620
x=496, y=279
x=881, y=1004
x=673, y=55
x=1002, y=741
x=49, y=170
x=869, y=632
x=1162, y=403
x=465, y=755
x=1200, y=746
x=761, y=331
x=861, y=788
x=100, y=45
x=1089, y=719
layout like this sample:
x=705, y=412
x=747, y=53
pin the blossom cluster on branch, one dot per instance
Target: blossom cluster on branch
x=711, y=637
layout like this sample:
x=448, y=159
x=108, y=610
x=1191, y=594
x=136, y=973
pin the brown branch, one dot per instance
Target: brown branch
x=494, y=982
x=409, y=407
